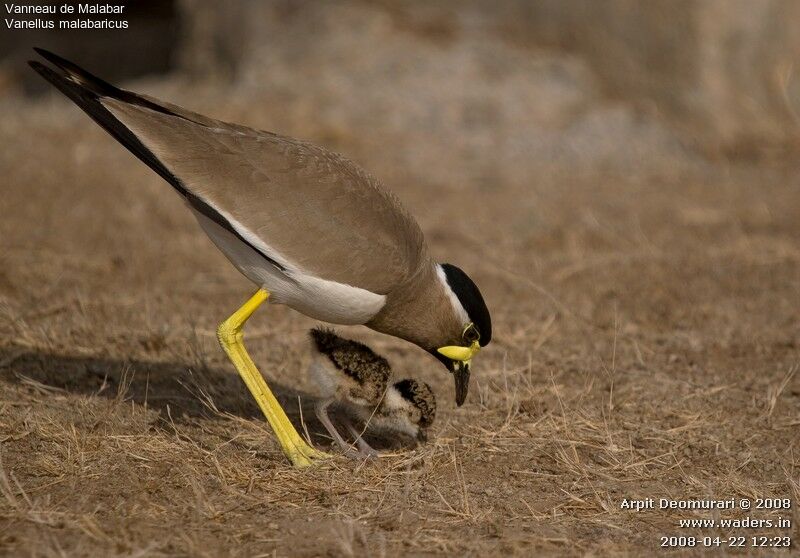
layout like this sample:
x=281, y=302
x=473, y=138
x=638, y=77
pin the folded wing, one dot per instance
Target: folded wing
x=302, y=207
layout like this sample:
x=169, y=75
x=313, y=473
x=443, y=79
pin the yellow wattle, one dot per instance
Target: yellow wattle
x=457, y=352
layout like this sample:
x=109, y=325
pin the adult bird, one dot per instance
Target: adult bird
x=310, y=228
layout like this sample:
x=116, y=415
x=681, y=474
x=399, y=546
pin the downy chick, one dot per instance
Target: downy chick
x=351, y=374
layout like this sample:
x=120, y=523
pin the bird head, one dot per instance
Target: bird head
x=408, y=406
x=475, y=325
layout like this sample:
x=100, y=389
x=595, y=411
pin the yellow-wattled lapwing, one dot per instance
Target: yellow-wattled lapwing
x=310, y=228
x=351, y=374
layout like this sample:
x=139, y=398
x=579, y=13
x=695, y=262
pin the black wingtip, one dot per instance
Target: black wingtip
x=36, y=65
x=63, y=64
x=45, y=53
x=57, y=79
x=88, y=99
x=54, y=58
x=76, y=74
x=89, y=91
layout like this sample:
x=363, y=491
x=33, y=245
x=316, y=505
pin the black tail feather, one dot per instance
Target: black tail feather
x=100, y=87
x=78, y=75
x=87, y=91
x=88, y=100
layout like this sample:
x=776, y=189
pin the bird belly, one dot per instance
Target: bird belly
x=317, y=298
x=323, y=378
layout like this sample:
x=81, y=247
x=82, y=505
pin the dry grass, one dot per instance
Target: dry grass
x=646, y=346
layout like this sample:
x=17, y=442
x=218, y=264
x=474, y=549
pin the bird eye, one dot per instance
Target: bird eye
x=471, y=334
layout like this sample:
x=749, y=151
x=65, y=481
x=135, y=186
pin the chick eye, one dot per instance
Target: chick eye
x=471, y=334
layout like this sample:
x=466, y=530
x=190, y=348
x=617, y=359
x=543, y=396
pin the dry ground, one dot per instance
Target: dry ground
x=647, y=342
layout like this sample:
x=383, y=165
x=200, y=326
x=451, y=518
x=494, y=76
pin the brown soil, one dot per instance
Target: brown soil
x=647, y=342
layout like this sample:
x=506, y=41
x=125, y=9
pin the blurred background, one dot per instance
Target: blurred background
x=618, y=176
x=481, y=86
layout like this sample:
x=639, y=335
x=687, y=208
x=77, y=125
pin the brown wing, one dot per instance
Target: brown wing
x=317, y=210
x=314, y=209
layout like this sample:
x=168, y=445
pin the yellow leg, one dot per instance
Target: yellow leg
x=230, y=337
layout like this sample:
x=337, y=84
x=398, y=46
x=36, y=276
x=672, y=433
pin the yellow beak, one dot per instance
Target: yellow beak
x=457, y=352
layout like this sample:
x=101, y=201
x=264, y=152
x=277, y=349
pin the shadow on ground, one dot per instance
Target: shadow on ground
x=178, y=390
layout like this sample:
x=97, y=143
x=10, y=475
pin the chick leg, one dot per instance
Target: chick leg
x=230, y=337
x=364, y=448
x=321, y=409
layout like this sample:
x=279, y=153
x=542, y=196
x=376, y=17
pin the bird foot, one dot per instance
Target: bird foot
x=360, y=455
x=302, y=455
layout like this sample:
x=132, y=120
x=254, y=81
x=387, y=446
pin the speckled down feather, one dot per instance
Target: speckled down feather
x=422, y=396
x=353, y=358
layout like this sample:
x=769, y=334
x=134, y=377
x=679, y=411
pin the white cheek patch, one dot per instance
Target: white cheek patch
x=393, y=400
x=396, y=411
x=457, y=306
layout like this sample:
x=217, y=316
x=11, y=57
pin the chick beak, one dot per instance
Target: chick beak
x=461, y=377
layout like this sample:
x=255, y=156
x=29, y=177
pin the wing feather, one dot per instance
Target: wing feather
x=315, y=210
